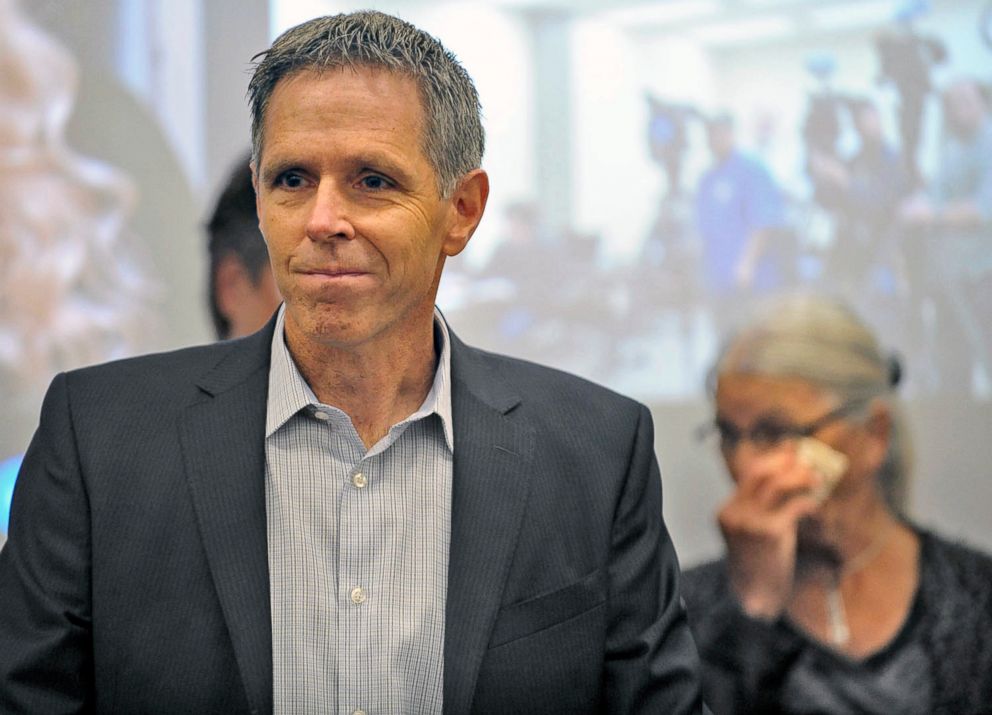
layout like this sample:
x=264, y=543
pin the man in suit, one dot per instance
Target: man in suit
x=351, y=510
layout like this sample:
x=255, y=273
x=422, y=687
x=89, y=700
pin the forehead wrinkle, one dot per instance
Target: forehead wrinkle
x=322, y=85
x=313, y=112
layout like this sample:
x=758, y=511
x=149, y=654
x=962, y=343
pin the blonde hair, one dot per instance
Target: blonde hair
x=825, y=343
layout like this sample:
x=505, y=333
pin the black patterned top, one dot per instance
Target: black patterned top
x=940, y=661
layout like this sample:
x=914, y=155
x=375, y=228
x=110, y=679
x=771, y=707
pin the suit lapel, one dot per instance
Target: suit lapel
x=223, y=437
x=489, y=496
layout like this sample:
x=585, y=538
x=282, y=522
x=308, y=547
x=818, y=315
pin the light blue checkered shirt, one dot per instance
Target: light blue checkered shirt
x=358, y=548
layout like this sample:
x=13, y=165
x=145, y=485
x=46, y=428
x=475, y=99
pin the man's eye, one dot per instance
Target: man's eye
x=374, y=182
x=729, y=434
x=290, y=180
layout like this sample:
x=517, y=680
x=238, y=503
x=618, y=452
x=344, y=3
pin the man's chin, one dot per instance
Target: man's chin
x=351, y=325
x=338, y=336
x=326, y=327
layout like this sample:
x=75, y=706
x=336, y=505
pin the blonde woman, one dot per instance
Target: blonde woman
x=828, y=599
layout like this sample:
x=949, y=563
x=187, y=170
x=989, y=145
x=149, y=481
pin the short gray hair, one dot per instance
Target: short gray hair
x=453, y=139
x=825, y=343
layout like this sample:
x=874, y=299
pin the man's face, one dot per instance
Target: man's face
x=721, y=140
x=349, y=206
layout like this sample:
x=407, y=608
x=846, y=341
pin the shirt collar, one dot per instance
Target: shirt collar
x=289, y=392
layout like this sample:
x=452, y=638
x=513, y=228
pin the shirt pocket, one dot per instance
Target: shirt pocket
x=525, y=618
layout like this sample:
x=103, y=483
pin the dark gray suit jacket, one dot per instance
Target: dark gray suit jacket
x=135, y=579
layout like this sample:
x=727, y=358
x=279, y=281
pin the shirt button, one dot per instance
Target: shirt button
x=358, y=595
x=322, y=416
x=358, y=712
x=359, y=480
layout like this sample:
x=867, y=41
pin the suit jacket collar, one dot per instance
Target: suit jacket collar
x=489, y=495
x=223, y=439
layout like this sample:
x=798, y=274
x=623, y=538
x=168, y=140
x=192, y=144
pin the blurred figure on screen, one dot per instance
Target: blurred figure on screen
x=863, y=192
x=829, y=599
x=906, y=58
x=72, y=290
x=243, y=293
x=953, y=221
x=740, y=215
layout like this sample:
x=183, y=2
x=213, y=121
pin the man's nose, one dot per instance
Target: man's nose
x=329, y=215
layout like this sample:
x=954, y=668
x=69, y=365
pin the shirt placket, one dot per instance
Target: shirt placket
x=359, y=604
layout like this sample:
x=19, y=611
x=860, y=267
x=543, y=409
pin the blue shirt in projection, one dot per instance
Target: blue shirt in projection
x=8, y=474
x=735, y=198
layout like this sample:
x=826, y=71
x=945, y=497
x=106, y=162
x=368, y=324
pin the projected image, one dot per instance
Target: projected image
x=71, y=292
x=659, y=168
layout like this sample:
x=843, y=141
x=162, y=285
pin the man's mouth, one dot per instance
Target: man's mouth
x=334, y=272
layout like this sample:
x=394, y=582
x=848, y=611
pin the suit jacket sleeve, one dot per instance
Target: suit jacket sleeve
x=651, y=662
x=45, y=646
x=745, y=660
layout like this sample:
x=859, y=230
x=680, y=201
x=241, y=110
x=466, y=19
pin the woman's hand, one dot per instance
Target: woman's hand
x=760, y=524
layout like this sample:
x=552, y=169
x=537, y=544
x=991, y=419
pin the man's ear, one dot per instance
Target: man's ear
x=468, y=203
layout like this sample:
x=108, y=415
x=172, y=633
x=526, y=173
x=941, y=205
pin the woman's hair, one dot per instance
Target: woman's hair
x=825, y=343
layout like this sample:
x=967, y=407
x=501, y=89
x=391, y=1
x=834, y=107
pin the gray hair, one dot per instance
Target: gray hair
x=453, y=139
x=825, y=343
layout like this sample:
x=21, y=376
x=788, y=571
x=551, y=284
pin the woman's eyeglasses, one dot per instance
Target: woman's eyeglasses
x=767, y=433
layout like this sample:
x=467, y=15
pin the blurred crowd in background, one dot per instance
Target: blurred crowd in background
x=861, y=221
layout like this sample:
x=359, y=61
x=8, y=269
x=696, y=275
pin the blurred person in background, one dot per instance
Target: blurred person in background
x=242, y=292
x=740, y=215
x=864, y=192
x=953, y=223
x=906, y=58
x=829, y=600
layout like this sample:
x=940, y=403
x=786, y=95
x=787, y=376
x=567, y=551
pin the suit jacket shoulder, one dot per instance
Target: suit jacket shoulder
x=140, y=511
x=174, y=376
x=553, y=399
